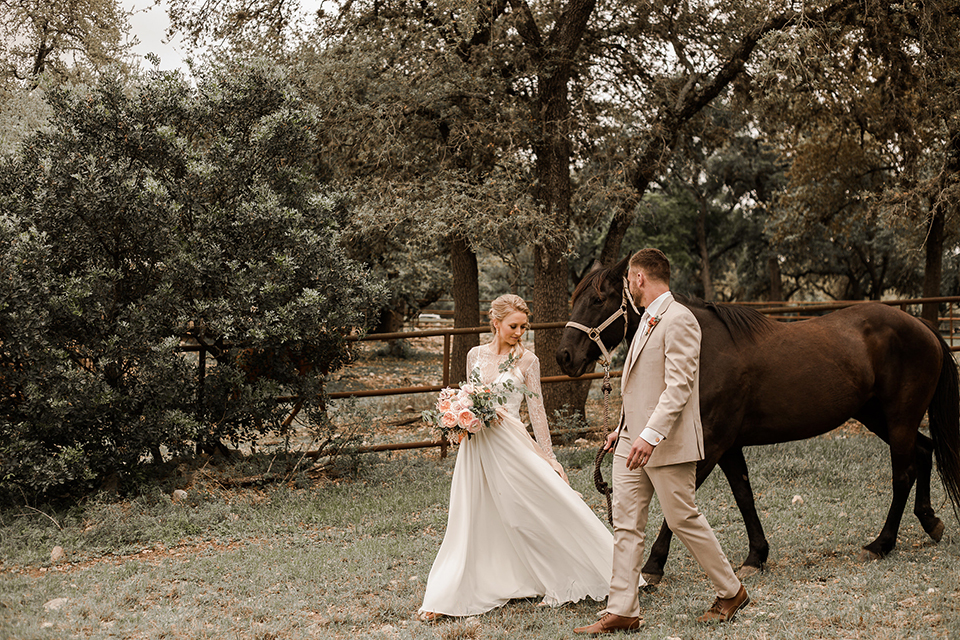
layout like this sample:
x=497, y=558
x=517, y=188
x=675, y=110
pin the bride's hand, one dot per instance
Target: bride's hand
x=501, y=413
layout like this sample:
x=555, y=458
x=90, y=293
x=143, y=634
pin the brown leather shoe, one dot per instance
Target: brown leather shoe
x=611, y=623
x=724, y=609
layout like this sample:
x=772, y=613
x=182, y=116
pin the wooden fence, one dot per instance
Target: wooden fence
x=784, y=312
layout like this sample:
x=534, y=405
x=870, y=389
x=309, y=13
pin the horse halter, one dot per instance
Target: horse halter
x=605, y=360
x=594, y=334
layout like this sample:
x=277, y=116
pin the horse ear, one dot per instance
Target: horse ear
x=620, y=269
x=596, y=265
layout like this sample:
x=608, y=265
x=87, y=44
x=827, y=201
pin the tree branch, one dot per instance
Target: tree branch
x=527, y=26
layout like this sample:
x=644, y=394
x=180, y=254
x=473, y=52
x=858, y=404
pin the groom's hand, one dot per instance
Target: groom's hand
x=611, y=441
x=640, y=454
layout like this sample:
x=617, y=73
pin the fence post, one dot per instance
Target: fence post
x=201, y=377
x=446, y=360
x=950, y=307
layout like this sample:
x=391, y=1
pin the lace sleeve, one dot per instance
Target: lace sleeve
x=538, y=415
x=471, y=362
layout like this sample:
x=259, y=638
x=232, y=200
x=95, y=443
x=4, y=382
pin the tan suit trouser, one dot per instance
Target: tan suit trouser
x=675, y=486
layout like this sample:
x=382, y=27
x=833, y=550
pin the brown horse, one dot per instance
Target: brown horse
x=764, y=382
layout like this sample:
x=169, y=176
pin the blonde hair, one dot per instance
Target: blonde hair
x=504, y=306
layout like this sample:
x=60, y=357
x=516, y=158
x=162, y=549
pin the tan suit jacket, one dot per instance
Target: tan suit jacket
x=661, y=385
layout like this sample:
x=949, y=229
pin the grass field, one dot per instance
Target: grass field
x=349, y=559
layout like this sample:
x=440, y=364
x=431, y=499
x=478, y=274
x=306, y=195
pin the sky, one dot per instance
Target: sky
x=149, y=25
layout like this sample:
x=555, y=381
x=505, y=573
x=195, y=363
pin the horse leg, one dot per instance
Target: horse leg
x=911, y=455
x=652, y=570
x=734, y=467
x=903, y=457
x=923, y=509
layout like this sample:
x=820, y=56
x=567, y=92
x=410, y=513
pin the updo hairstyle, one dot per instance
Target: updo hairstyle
x=504, y=306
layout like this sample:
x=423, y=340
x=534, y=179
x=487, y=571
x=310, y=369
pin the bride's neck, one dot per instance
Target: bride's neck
x=500, y=348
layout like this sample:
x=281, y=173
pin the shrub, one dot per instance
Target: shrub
x=146, y=212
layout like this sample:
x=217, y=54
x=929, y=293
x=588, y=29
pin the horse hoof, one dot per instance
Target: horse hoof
x=868, y=556
x=937, y=533
x=651, y=578
x=747, y=571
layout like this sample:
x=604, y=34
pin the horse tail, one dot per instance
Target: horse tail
x=944, y=414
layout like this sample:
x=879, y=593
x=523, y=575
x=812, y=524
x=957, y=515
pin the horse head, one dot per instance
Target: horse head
x=602, y=315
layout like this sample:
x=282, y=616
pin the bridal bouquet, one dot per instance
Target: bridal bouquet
x=460, y=413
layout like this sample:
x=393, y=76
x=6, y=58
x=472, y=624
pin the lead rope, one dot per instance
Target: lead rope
x=598, y=481
x=605, y=360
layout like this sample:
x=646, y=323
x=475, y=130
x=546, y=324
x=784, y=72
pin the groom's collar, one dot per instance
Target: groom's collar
x=654, y=307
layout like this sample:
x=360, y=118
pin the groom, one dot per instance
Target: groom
x=658, y=443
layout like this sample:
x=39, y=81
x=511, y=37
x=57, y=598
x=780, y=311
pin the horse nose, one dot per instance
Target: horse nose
x=564, y=358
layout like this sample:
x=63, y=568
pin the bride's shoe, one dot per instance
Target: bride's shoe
x=429, y=616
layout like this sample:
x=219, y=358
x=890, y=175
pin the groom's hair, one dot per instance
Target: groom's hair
x=653, y=263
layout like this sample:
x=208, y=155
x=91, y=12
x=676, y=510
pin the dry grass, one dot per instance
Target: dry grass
x=348, y=558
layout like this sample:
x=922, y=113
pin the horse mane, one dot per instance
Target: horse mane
x=743, y=323
x=591, y=280
x=596, y=277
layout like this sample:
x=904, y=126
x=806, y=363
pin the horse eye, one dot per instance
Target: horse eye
x=597, y=300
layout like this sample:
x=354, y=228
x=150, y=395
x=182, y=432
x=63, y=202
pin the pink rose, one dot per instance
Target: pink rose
x=455, y=406
x=466, y=420
x=449, y=420
x=443, y=404
x=474, y=426
x=466, y=389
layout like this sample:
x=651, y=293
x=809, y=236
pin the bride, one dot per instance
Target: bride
x=515, y=528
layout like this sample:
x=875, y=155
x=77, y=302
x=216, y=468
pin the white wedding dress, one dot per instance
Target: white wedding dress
x=515, y=528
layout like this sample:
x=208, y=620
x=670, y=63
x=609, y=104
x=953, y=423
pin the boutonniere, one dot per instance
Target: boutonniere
x=651, y=323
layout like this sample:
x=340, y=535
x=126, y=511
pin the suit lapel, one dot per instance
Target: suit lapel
x=628, y=361
x=636, y=346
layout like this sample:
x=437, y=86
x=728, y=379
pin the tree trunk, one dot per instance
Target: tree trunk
x=933, y=267
x=554, y=56
x=622, y=219
x=466, y=305
x=706, y=278
x=551, y=294
x=551, y=304
x=776, y=283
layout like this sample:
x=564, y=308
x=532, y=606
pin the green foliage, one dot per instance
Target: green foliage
x=146, y=213
x=429, y=141
x=858, y=109
x=410, y=264
x=68, y=40
x=830, y=231
x=21, y=113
